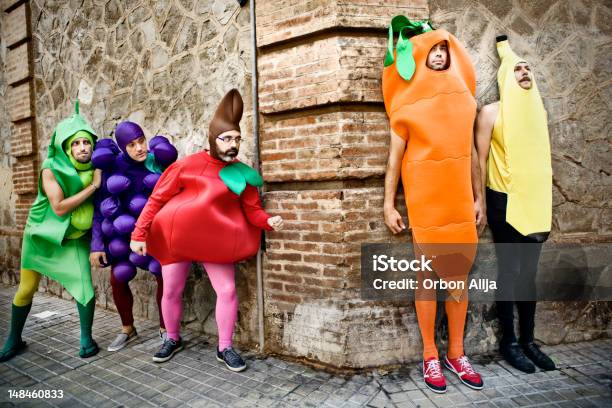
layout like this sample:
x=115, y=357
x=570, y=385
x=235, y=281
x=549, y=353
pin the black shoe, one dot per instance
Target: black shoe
x=232, y=360
x=168, y=349
x=89, y=350
x=513, y=354
x=540, y=359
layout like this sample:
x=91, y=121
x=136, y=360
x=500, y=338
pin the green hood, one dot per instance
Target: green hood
x=44, y=248
x=57, y=159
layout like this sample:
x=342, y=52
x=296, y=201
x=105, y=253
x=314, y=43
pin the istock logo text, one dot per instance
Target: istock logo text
x=383, y=263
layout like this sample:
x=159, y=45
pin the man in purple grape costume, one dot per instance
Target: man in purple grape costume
x=130, y=172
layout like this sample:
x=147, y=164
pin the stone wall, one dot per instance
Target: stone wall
x=163, y=64
x=563, y=41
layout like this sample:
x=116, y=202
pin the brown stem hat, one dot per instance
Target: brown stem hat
x=227, y=117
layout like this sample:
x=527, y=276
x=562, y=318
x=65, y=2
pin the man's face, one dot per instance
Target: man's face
x=522, y=73
x=81, y=149
x=437, y=59
x=228, y=144
x=137, y=149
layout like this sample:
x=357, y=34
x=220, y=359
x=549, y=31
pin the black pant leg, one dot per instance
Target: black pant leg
x=507, y=250
x=530, y=256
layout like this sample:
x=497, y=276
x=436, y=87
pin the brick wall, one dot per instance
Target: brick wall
x=19, y=136
x=323, y=142
x=292, y=20
x=21, y=140
x=340, y=142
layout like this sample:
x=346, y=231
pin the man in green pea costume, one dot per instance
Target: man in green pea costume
x=56, y=236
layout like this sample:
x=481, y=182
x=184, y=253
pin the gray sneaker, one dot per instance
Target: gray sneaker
x=163, y=335
x=122, y=340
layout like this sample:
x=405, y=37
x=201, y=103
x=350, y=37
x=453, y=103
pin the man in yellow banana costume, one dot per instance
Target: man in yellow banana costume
x=514, y=154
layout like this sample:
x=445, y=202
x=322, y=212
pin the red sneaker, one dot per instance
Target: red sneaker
x=462, y=367
x=432, y=374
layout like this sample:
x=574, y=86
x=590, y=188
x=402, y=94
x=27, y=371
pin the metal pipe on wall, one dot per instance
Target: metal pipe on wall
x=254, y=83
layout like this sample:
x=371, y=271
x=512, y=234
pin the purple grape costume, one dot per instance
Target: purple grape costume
x=126, y=186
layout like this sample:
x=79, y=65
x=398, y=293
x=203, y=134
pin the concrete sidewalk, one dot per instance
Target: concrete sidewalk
x=194, y=378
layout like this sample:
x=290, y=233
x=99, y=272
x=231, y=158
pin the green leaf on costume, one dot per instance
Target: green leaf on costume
x=233, y=179
x=152, y=165
x=404, y=58
x=237, y=175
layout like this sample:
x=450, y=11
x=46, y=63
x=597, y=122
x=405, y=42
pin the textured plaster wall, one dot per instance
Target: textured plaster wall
x=568, y=44
x=162, y=64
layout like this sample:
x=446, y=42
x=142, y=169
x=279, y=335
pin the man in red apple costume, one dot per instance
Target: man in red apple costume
x=205, y=208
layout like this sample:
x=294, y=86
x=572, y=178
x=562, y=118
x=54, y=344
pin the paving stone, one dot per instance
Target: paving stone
x=193, y=378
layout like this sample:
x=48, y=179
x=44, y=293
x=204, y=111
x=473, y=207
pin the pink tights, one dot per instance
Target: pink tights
x=226, y=311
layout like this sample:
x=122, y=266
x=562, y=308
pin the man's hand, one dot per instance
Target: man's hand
x=97, y=178
x=276, y=222
x=98, y=259
x=139, y=247
x=393, y=220
x=481, y=215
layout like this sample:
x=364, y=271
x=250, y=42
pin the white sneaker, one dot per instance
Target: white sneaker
x=122, y=340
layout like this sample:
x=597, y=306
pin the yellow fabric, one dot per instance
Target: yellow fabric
x=524, y=135
x=28, y=285
x=497, y=168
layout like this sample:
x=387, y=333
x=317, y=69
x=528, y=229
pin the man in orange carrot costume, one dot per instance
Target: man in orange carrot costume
x=428, y=89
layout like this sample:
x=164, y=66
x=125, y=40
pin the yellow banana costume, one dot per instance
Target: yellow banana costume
x=519, y=159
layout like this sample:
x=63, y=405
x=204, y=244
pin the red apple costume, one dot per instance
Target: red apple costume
x=204, y=209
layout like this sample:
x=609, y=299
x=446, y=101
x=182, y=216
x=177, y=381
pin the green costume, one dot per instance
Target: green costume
x=58, y=247
x=45, y=248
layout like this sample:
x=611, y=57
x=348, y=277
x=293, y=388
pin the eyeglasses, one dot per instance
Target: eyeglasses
x=229, y=139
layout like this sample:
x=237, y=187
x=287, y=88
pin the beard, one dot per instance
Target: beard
x=228, y=155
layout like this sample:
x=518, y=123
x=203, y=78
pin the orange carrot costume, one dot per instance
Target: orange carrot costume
x=434, y=112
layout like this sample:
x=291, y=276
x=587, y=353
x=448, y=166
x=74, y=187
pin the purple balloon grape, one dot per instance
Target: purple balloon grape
x=154, y=267
x=107, y=227
x=119, y=248
x=107, y=142
x=103, y=158
x=139, y=260
x=137, y=203
x=117, y=183
x=157, y=140
x=150, y=180
x=109, y=207
x=124, y=271
x=165, y=153
x=124, y=224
